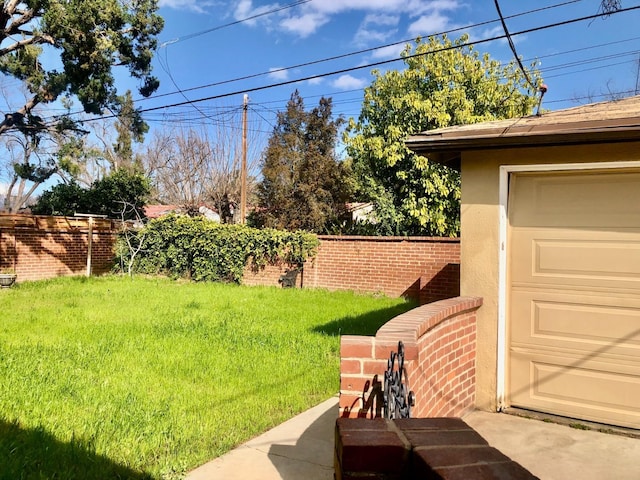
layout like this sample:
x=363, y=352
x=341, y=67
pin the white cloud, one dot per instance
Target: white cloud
x=428, y=25
x=372, y=29
x=191, y=5
x=498, y=31
x=381, y=17
x=278, y=73
x=304, y=25
x=410, y=7
x=365, y=36
x=492, y=32
x=245, y=10
x=340, y=6
x=315, y=81
x=378, y=19
x=348, y=82
x=437, y=6
x=385, y=53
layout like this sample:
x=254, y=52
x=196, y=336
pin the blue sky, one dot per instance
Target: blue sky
x=209, y=50
x=580, y=62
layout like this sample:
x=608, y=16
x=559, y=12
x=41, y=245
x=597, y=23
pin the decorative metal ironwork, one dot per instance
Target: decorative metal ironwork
x=397, y=399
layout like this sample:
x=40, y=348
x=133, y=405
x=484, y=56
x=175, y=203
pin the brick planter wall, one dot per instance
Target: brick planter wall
x=422, y=268
x=40, y=247
x=440, y=348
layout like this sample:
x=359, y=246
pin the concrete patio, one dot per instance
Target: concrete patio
x=302, y=448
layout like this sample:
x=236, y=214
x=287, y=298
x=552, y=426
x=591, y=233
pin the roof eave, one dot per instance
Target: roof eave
x=447, y=149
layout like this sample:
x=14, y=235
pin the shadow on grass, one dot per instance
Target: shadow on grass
x=27, y=454
x=367, y=324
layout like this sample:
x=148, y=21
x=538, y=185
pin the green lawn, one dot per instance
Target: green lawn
x=115, y=377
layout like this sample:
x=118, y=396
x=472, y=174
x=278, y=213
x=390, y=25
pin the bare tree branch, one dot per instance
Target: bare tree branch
x=39, y=39
x=16, y=119
x=193, y=167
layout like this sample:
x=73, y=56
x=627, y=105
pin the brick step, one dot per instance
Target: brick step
x=418, y=448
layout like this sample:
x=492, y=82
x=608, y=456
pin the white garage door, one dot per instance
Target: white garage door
x=574, y=295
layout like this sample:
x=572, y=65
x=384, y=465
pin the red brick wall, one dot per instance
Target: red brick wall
x=46, y=247
x=440, y=347
x=269, y=275
x=422, y=268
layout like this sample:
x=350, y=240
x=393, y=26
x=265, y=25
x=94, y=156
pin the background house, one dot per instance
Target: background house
x=157, y=211
x=550, y=238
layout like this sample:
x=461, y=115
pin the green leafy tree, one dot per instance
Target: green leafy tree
x=62, y=50
x=445, y=83
x=89, y=38
x=63, y=199
x=130, y=128
x=304, y=186
x=121, y=194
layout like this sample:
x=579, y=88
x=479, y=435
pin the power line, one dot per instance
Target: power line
x=370, y=65
x=183, y=92
x=358, y=52
x=385, y=62
x=591, y=97
x=168, y=72
x=539, y=88
x=574, y=72
x=591, y=60
x=254, y=110
x=220, y=27
x=610, y=6
x=545, y=69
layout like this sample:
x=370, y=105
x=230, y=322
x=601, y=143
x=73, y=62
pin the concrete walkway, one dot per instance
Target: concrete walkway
x=559, y=452
x=302, y=448
x=298, y=449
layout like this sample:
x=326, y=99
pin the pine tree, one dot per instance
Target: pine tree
x=304, y=186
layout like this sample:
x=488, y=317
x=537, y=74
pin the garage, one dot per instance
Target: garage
x=574, y=294
x=550, y=240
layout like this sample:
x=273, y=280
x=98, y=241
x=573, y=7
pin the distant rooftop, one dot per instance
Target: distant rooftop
x=155, y=211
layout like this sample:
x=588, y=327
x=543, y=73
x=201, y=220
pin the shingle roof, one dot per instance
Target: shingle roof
x=613, y=121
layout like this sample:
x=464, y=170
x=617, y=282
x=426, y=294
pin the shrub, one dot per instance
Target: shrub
x=119, y=194
x=199, y=249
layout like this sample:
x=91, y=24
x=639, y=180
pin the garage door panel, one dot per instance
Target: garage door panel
x=577, y=387
x=588, y=258
x=592, y=322
x=575, y=200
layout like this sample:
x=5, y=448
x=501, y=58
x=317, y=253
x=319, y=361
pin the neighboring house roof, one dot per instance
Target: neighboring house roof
x=360, y=211
x=355, y=206
x=209, y=213
x=156, y=211
x=613, y=121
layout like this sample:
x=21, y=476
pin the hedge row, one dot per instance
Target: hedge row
x=199, y=249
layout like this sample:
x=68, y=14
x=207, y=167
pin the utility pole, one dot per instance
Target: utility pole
x=243, y=168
